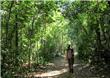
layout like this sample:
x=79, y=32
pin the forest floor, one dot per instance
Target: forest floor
x=58, y=68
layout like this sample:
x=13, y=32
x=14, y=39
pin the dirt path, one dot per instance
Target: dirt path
x=58, y=68
x=80, y=70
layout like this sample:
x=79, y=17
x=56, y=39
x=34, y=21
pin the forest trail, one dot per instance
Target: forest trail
x=58, y=68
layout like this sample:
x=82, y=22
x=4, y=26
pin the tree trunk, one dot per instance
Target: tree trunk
x=7, y=22
x=98, y=40
x=109, y=3
x=29, y=54
x=16, y=39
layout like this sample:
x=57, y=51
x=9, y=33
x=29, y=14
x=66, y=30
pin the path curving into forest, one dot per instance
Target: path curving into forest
x=58, y=68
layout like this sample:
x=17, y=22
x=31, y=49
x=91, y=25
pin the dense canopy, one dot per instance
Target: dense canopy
x=36, y=31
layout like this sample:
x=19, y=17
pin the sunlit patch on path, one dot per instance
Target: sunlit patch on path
x=54, y=73
x=51, y=73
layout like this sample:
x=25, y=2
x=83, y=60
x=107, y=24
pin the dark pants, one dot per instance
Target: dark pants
x=70, y=64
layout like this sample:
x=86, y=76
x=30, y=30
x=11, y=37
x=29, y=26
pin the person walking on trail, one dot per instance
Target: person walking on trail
x=70, y=58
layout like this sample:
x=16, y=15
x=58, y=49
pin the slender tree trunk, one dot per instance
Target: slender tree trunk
x=62, y=43
x=98, y=38
x=7, y=22
x=98, y=35
x=16, y=39
x=37, y=53
x=29, y=54
x=109, y=3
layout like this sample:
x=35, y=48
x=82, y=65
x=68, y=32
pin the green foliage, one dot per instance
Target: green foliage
x=32, y=32
x=86, y=26
x=35, y=32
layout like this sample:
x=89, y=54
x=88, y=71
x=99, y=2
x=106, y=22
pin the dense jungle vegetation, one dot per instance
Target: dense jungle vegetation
x=33, y=32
